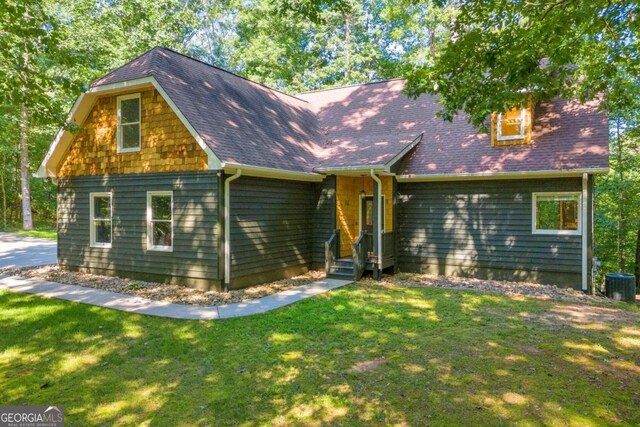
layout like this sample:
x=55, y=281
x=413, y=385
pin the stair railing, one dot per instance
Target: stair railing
x=331, y=250
x=359, y=256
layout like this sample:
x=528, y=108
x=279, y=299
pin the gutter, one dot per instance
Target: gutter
x=266, y=172
x=501, y=175
x=227, y=229
x=379, y=215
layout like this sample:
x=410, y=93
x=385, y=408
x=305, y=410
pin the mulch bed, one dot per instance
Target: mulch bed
x=183, y=295
x=161, y=291
x=550, y=292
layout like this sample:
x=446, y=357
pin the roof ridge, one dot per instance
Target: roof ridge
x=230, y=72
x=148, y=52
x=351, y=85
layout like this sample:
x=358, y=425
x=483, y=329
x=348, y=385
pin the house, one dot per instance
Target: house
x=182, y=172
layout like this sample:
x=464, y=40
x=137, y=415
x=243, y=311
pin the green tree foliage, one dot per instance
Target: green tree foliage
x=502, y=51
x=617, y=201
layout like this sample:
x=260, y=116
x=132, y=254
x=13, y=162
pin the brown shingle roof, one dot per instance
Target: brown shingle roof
x=566, y=135
x=247, y=123
x=241, y=121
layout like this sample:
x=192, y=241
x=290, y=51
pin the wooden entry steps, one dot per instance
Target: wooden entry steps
x=342, y=268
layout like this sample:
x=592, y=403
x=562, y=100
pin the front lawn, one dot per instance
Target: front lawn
x=45, y=232
x=362, y=355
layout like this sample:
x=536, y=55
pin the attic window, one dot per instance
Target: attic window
x=512, y=127
x=128, y=134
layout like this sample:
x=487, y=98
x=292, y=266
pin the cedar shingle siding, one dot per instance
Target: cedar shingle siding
x=194, y=260
x=483, y=229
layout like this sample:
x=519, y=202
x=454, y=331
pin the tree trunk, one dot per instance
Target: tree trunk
x=4, y=195
x=637, y=269
x=621, y=217
x=347, y=48
x=27, y=221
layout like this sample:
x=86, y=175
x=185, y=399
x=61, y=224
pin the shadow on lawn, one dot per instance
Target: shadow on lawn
x=362, y=355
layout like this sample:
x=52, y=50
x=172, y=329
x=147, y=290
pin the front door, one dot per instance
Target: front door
x=366, y=214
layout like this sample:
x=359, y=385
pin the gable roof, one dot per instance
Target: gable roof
x=239, y=122
x=243, y=122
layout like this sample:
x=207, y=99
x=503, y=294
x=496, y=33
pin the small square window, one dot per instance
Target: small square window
x=511, y=125
x=160, y=221
x=128, y=134
x=557, y=213
x=100, y=211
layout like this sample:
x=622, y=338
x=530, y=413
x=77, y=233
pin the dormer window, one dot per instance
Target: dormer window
x=511, y=127
x=128, y=134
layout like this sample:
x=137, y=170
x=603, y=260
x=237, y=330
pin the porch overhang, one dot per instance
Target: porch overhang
x=365, y=169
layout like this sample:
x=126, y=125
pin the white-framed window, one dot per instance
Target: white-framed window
x=100, y=212
x=160, y=221
x=557, y=213
x=511, y=125
x=128, y=133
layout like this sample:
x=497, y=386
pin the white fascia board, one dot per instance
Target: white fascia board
x=266, y=172
x=364, y=169
x=84, y=104
x=402, y=153
x=501, y=175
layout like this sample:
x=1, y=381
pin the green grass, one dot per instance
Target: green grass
x=45, y=232
x=362, y=355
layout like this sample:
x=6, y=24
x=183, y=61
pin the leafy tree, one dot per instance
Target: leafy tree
x=503, y=51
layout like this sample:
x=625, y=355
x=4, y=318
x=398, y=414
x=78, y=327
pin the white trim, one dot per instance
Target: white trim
x=92, y=220
x=500, y=175
x=351, y=168
x=402, y=153
x=150, y=220
x=119, y=141
x=379, y=257
x=227, y=227
x=82, y=107
x=586, y=229
x=523, y=127
x=560, y=195
x=265, y=172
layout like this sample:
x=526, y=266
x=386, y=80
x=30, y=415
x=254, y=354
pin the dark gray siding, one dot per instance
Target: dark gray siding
x=271, y=229
x=483, y=229
x=194, y=260
x=324, y=217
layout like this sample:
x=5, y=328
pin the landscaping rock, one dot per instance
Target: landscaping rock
x=161, y=291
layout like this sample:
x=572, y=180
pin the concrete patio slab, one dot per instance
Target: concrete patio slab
x=133, y=304
x=23, y=251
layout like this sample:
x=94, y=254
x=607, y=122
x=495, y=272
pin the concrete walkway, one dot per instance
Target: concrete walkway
x=23, y=251
x=139, y=305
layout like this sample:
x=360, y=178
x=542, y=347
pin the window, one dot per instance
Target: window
x=557, y=213
x=511, y=125
x=128, y=134
x=100, y=211
x=160, y=220
x=367, y=213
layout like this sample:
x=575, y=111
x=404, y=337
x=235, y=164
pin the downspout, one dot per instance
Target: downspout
x=227, y=229
x=585, y=228
x=379, y=215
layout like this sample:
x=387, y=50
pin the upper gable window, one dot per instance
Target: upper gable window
x=128, y=134
x=512, y=127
